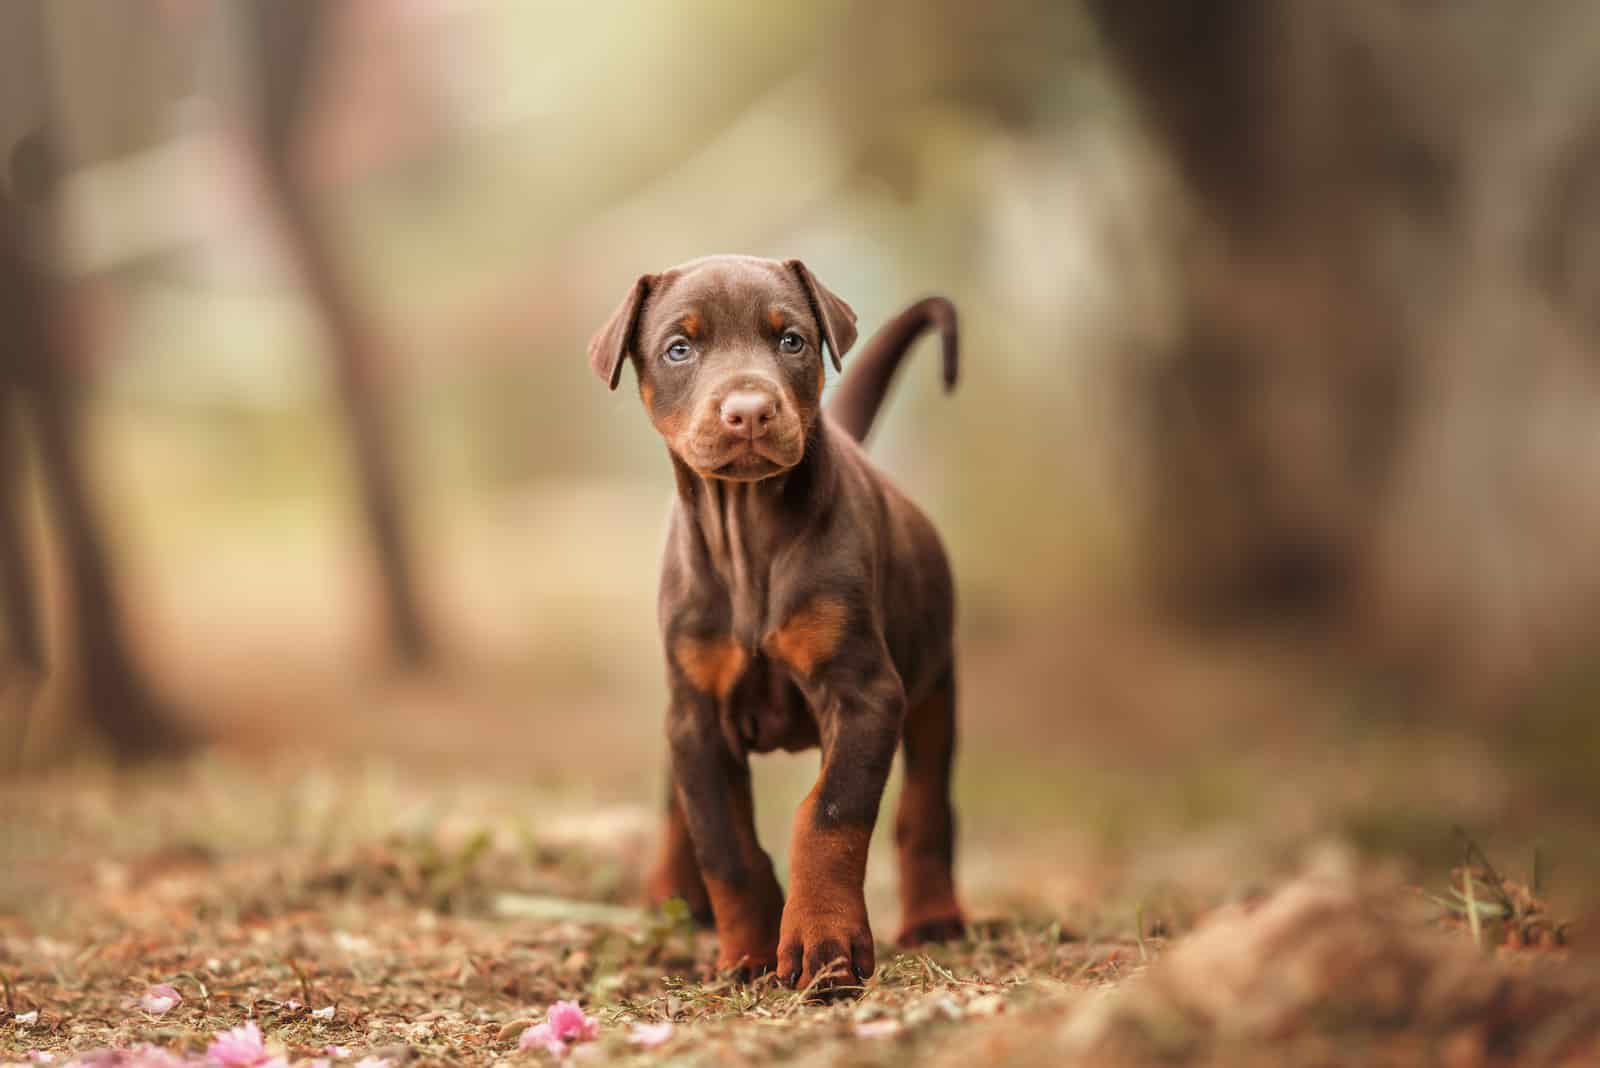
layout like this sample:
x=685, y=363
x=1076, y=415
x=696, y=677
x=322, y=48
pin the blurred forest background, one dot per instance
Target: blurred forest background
x=1272, y=483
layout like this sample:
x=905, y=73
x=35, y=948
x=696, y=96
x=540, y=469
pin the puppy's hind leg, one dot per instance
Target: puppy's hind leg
x=924, y=828
x=676, y=872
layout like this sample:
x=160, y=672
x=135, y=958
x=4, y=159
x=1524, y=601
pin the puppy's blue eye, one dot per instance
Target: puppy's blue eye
x=679, y=351
x=791, y=342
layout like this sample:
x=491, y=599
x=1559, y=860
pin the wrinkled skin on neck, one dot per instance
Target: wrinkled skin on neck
x=740, y=528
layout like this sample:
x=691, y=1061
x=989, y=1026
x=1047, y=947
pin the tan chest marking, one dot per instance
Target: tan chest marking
x=811, y=636
x=712, y=665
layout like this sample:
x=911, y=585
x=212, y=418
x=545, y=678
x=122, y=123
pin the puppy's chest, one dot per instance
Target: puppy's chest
x=740, y=665
x=765, y=711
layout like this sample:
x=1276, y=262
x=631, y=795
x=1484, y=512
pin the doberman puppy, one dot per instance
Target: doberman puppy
x=804, y=601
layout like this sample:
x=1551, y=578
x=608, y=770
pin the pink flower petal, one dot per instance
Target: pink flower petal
x=238, y=1048
x=540, y=1036
x=143, y=1055
x=567, y=1021
x=158, y=1000
x=651, y=1035
x=565, y=1025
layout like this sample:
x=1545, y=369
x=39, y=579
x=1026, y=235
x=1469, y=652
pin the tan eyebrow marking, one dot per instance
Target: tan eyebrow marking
x=776, y=319
x=691, y=325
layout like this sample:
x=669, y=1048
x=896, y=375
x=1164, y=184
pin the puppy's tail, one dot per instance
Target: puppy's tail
x=855, y=403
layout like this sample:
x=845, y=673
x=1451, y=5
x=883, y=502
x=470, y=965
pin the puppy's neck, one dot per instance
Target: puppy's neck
x=742, y=526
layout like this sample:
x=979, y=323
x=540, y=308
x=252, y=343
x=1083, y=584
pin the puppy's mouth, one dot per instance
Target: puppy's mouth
x=736, y=460
x=748, y=465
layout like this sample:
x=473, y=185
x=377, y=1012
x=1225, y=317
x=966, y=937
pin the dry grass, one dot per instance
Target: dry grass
x=437, y=930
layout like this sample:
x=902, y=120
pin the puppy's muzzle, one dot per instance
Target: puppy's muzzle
x=746, y=427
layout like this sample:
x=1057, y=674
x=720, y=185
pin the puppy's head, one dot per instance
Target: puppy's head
x=728, y=351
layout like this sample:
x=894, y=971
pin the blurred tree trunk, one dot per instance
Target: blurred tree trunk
x=284, y=36
x=1382, y=413
x=22, y=642
x=37, y=367
x=116, y=698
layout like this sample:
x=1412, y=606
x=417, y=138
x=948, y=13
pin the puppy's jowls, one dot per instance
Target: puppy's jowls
x=804, y=601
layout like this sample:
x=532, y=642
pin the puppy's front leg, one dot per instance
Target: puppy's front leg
x=713, y=788
x=825, y=921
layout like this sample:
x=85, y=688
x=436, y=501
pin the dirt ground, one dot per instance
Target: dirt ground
x=1258, y=883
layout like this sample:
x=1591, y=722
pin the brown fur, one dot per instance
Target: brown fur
x=676, y=872
x=825, y=922
x=804, y=601
x=746, y=900
x=924, y=827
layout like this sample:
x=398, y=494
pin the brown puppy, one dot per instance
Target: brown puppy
x=804, y=601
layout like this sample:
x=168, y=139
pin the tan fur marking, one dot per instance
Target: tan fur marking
x=775, y=320
x=812, y=635
x=691, y=325
x=712, y=665
x=648, y=392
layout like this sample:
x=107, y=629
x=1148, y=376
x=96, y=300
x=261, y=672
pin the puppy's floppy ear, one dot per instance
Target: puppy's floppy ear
x=838, y=319
x=608, y=349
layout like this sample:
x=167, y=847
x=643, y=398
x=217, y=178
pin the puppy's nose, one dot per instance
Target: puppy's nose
x=748, y=412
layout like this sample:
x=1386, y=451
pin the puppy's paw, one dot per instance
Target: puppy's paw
x=921, y=931
x=745, y=966
x=826, y=952
x=748, y=925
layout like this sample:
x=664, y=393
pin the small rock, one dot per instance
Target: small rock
x=511, y=1030
x=987, y=1005
x=878, y=1028
x=935, y=1008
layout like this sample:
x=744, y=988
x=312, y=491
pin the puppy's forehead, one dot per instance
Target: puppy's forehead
x=731, y=286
